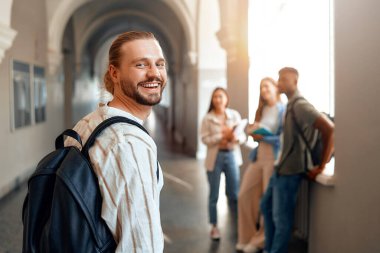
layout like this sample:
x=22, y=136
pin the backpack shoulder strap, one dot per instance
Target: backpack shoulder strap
x=298, y=127
x=290, y=109
x=106, y=123
x=60, y=140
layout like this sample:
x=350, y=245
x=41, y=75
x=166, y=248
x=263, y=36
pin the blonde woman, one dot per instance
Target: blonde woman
x=223, y=153
x=266, y=131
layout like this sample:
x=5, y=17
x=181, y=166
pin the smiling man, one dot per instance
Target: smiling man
x=124, y=157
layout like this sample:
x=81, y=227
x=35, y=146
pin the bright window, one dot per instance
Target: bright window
x=294, y=33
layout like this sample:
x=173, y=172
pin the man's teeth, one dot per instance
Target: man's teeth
x=150, y=85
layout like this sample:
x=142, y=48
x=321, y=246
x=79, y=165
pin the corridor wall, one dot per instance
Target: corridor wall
x=21, y=148
x=345, y=218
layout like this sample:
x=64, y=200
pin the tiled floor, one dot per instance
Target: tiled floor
x=10, y=221
x=183, y=209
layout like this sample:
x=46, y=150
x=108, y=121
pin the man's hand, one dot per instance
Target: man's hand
x=312, y=174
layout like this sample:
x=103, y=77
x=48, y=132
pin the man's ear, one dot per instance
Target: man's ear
x=114, y=74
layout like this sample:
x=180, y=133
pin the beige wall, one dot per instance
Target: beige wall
x=22, y=148
x=346, y=218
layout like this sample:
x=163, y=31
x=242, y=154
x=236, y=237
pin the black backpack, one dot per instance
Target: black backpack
x=316, y=150
x=62, y=209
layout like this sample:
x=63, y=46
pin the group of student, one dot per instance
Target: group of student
x=269, y=186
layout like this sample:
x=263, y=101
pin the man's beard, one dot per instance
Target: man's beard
x=132, y=92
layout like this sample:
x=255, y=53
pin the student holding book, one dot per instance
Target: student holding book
x=266, y=130
x=223, y=153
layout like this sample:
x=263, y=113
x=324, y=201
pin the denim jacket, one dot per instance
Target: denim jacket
x=274, y=140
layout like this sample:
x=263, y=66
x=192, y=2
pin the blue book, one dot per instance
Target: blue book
x=262, y=131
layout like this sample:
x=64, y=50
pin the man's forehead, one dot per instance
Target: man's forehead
x=286, y=73
x=146, y=48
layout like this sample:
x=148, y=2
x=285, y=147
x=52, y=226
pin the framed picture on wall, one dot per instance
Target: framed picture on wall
x=39, y=102
x=22, y=106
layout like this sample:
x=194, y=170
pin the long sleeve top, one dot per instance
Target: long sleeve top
x=274, y=122
x=272, y=119
x=211, y=135
x=124, y=159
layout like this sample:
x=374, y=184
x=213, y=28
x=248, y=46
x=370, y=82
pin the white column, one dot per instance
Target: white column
x=54, y=61
x=7, y=36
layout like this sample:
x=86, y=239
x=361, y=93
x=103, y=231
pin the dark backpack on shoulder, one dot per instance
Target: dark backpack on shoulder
x=62, y=209
x=316, y=150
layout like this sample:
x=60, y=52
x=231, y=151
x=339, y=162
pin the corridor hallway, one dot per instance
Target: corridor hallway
x=183, y=205
x=207, y=43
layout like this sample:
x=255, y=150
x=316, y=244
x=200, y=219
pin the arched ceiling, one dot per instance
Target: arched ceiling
x=96, y=21
x=111, y=24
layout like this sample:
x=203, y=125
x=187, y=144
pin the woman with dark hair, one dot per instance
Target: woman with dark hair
x=266, y=130
x=223, y=152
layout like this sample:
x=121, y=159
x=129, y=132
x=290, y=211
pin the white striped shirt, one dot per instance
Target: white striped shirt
x=125, y=160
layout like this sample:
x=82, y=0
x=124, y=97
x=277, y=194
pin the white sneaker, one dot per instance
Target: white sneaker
x=240, y=246
x=250, y=248
x=215, y=234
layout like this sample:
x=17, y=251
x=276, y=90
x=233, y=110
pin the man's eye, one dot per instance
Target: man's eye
x=141, y=65
x=160, y=65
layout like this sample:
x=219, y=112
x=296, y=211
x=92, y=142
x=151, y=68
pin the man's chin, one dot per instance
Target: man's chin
x=150, y=101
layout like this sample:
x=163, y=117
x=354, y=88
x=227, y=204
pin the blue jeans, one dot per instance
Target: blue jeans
x=225, y=162
x=277, y=206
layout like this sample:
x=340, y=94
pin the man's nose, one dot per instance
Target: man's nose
x=154, y=72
